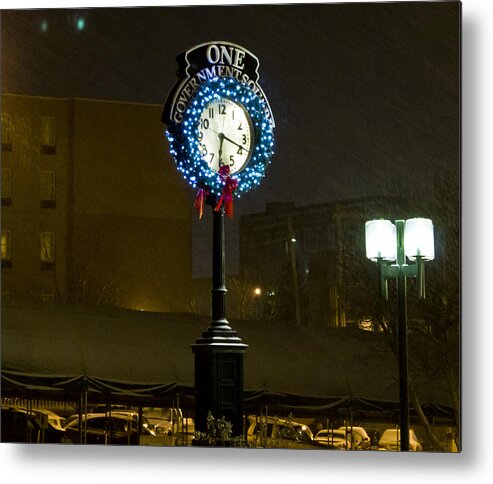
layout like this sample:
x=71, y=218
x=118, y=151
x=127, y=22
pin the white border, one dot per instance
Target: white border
x=69, y=464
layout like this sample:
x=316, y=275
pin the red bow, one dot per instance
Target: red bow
x=230, y=184
x=199, y=202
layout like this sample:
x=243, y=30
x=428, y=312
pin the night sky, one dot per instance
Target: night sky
x=365, y=96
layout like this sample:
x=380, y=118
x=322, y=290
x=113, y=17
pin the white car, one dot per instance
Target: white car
x=391, y=440
x=55, y=420
x=360, y=440
x=268, y=432
x=169, y=420
x=336, y=439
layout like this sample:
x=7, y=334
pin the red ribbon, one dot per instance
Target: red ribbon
x=199, y=202
x=230, y=184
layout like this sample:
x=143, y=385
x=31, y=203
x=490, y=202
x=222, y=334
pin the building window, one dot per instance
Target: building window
x=48, y=297
x=47, y=184
x=6, y=187
x=47, y=250
x=6, y=132
x=6, y=249
x=48, y=135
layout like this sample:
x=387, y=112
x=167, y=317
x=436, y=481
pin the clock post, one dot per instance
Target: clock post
x=220, y=136
x=219, y=351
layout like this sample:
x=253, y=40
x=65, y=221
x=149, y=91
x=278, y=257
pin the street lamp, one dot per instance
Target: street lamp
x=389, y=245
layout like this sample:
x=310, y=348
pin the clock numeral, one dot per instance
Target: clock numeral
x=212, y=157
x=240, y=127
x=232, y=160
x=204, y=149
x=233, y=114
x=222, y=109
x=204, y=124
x=211, y=113
x=200, y=136
x=243, y=139
x=240, y=150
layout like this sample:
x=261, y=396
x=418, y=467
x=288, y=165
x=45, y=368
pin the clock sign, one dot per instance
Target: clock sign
x=220, y=126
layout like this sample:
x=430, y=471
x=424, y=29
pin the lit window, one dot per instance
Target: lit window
x=6, y=132
x=6, y=249
x=48, y=137
x=47, y=250
x=6, y=187
x=47, y=184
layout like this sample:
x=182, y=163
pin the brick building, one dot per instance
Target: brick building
x=309, y=261
x=93, y=210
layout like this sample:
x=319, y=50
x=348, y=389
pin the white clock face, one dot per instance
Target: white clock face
x=226, y=135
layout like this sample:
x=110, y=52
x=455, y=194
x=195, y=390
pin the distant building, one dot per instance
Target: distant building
x=309, y=262
x=93, y=210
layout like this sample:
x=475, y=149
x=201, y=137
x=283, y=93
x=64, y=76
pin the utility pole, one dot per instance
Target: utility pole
x=294, y=271
x=340, y=303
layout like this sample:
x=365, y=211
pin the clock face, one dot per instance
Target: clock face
x=225, y=135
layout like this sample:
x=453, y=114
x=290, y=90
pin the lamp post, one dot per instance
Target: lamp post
x=256, y=294
x=390, y=246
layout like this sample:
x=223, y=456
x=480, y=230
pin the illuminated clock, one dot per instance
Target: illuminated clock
x=226, y=135
x=225, y=123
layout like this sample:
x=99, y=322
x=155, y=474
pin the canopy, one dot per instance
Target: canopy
x=55, y=349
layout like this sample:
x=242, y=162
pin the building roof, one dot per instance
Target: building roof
x=51, y=348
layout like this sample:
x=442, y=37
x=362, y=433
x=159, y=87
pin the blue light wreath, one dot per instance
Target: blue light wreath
x=184, y=144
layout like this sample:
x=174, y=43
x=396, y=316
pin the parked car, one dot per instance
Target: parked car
x=168, y=420
x=56, y=421
x=103, y=408
x=117, y=429
x=335, y=439
x=359, y=438
x=18, y=426
x=35, y=426
x=391, y=440
x=277, y=432
x=170, y=425
x=135, y=417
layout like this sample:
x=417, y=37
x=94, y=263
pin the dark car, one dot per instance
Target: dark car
x=101, y=428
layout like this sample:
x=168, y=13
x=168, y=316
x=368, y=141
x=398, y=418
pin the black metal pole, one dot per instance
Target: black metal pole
x=403, y=360
x=219, y=351
x=218, y=272
x=402, y=338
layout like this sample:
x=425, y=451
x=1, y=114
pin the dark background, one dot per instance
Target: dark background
x=365, y=96
x=474, y=461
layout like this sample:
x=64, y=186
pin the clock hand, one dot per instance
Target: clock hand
x=235, y=143
x=214, y=131
x=222, y=136
x=221, y=139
